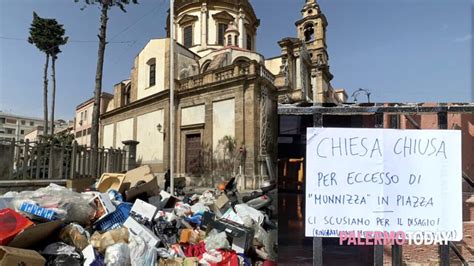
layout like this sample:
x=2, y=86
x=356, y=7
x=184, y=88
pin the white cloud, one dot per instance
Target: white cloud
x=464, y=38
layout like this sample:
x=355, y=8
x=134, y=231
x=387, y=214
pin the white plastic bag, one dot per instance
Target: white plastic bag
x=211, y=257
x=216, y=240
x=141, y=252
x=70, y=205
x=117, y=255
x=249, y=215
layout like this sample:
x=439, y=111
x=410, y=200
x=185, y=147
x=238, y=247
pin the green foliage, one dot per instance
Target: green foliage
x=47, y=35
x=109, y=3
x=58, y=139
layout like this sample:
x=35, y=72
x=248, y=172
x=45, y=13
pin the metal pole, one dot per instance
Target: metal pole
x=171, y=88
x=443, y=250
x=318, y=121
x=378, y=249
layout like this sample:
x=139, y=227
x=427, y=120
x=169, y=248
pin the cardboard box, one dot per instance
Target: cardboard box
x=143, y=210
x=149, y=189
x=16, y=256
x=191, y=261
x=185, y=236
x=221, y=201
x=191, y=236
x=140, y=230
x=104, y=206
x=171, y=262
x=35, y=234
x=38, y=211
x=132, y=177
x=111, y=181
x=220, y=206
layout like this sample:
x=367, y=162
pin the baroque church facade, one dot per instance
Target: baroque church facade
x=226, y=93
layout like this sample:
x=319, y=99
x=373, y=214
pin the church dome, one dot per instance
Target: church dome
x=231, y=28
x=182, y=5
x=201, y=25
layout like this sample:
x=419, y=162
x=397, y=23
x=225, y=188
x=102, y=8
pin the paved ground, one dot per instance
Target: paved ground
x=295, y=249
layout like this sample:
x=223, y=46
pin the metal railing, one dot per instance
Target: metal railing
x=24, y=160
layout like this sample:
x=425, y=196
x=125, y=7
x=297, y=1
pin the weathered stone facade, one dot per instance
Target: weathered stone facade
x=226, y=94
x=304, y=76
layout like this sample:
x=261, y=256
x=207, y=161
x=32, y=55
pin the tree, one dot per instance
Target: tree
x=105, y=5
x=47, y=35
x=58, y=40
x=39, y=36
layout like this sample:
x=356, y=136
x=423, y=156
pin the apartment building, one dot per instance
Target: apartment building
x=15, y=127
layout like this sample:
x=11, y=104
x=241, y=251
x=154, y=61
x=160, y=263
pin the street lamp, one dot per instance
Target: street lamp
x=356, y=93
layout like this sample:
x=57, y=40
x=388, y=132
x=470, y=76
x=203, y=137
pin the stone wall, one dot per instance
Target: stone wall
x=157, y=102
x=6, y=160
x=22, y=185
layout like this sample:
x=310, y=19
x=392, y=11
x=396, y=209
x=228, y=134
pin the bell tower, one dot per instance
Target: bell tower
x=312, y=34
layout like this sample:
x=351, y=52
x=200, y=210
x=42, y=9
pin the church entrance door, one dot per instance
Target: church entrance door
x=193, y=154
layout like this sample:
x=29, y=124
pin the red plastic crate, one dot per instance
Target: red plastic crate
x=11, y=223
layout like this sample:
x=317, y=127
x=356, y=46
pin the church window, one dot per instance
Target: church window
x=236, y=40
x=151, y=72
x=126, y=95
x=249, y=42
x=320, y=59
x=205, y=66
x=309, y=32
x=221, y=32
x=229, y=40
x=188, y=36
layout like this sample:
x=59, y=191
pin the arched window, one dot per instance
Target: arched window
x=151, y=72
x=221, y=32
x=249, y=42
x=229, y=40
x=126, y=95
x=188, y=36
x=205, y=66
x=309, y=32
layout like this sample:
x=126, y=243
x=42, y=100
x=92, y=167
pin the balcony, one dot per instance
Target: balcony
x=225, y=74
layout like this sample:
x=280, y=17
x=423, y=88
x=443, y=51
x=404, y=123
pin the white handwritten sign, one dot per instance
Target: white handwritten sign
x=383, y=180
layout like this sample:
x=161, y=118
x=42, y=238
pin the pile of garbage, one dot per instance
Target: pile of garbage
x=128, y=220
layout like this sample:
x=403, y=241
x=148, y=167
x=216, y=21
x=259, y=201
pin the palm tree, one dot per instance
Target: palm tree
x=105, y=5
x=39, y=36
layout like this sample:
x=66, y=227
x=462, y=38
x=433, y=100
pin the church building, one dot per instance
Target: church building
x=226, y=93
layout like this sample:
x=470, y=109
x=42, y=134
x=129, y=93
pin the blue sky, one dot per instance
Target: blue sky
x=402, y=51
